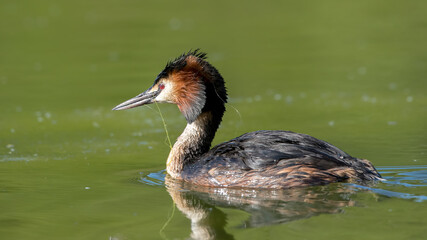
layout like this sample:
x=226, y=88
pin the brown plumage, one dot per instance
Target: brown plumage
x=262, y=159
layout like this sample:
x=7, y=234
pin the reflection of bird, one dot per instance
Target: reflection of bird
x=264, y=206
x=261, y=159
x=207, y=221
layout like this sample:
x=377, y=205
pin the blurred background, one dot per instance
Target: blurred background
x=351, y=73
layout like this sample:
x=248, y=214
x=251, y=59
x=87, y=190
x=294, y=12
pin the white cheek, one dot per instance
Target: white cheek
x=166, y=94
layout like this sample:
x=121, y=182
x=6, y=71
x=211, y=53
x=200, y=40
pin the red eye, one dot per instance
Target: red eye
x=161, y=86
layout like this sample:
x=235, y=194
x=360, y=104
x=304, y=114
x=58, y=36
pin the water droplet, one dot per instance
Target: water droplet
x=95, y=124
x=137, y=134
x=3, y=80
x=362, y=70
x=12, y=130
x=149, y=121
x=55, y=11
x=91, y=17
x=277, y=97
x=93, y=68
x=38, y=66
x=350, y=76
x=175, y=24
x=365, y=98
x=391, y=123
x=409, y=99
x=113, y=56
x=87, y=188
x=42, y=21
x=331, y=123
x=392, y=86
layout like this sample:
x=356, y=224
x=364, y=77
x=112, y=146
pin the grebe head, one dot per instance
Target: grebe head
x=188, y=81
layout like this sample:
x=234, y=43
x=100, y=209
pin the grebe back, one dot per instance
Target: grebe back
x=261, y=159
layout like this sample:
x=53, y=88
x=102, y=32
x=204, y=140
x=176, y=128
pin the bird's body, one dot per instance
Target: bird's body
x=261, y=159
x=276, y=159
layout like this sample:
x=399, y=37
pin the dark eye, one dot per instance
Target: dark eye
x=161, y=86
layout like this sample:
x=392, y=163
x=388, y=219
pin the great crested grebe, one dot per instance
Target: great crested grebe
x=261, y=159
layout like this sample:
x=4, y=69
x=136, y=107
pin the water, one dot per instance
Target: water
x=350, y=73
x=206, y=207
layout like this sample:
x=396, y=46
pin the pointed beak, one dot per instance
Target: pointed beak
x=146, y=97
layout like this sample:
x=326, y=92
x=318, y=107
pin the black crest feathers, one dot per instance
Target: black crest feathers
x=180, y=62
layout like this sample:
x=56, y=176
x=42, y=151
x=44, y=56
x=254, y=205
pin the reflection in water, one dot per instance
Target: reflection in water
x=267, y=207
x=207, y=221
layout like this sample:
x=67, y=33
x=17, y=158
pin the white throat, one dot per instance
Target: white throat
x=192, y=143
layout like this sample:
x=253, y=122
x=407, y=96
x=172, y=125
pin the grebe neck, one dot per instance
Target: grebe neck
x=193, y=142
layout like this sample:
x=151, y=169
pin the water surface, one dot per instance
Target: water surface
x=351, y=73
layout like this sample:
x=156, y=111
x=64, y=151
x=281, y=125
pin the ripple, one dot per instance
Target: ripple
x=153, y=179
x=387, y=193
x=6, y=158
x=409, y=177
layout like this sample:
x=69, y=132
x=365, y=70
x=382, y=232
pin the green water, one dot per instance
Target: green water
x=351, y=73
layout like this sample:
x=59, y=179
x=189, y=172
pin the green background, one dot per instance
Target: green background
x=352, y=73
